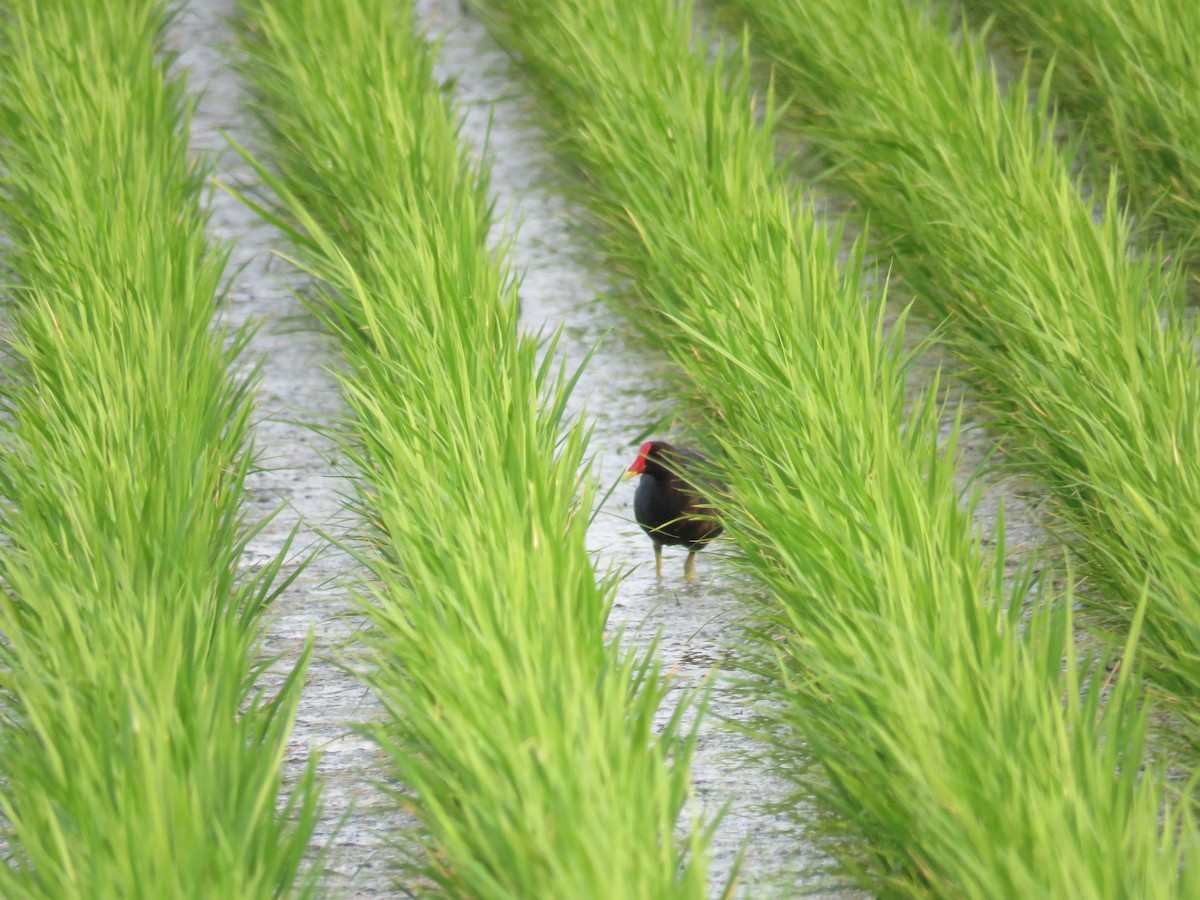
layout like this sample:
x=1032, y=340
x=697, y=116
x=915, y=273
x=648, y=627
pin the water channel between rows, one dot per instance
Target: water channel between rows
x=619, y=392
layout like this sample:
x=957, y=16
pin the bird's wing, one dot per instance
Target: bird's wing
x=693, y=473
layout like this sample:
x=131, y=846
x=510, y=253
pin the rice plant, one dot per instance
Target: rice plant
x=951, y=743
x=1076, y=343
x=139, y=757
x=1129, y=73
x=523, y=740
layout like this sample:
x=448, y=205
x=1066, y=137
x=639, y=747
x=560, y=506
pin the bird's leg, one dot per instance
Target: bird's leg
x=658, y=560
x=689, y=567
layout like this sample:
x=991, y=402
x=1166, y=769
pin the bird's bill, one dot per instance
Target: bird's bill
x=630, y=473
x=639, y=464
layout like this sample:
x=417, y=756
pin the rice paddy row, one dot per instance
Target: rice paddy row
x=1078, y=347
x=523, y=741
x=137, y=756
x=1129, y=73
x=954, y=746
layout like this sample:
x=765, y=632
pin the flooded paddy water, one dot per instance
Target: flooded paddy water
x=620, y=392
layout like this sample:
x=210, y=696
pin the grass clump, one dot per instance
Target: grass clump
x=1077, y=345
x=525, y=742
x=951, y=739
x=138, y=756
x=1130, y=74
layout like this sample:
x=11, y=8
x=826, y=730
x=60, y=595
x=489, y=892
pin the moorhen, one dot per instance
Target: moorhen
x=667, y=505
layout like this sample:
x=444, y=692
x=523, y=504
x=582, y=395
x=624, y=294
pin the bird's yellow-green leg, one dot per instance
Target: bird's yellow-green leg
x=658, y=559
x=689, y=567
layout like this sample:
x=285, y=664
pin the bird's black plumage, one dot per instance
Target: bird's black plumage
x=668, y=505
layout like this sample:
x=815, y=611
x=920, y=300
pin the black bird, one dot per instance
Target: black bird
x=667, y=505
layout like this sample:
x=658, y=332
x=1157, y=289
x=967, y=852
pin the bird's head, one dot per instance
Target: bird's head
x=648, y=459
